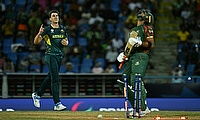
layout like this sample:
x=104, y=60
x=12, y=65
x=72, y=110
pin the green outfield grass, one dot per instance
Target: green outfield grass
x=80, y=115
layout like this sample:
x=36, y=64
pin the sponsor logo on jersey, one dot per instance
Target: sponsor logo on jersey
x=57, y=36
x=137, y=63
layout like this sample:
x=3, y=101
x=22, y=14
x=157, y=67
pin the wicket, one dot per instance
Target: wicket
x=126, y=96
x=137, y=96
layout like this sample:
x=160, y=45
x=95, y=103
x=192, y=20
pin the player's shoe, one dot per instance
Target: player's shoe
x=36, y=100
x=143, y=113
x=59, y=107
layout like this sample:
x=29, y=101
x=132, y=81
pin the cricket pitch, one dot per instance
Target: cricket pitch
x=92, y=115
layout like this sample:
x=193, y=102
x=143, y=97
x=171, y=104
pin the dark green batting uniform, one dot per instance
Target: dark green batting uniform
x=53, y=58
x=137, y=64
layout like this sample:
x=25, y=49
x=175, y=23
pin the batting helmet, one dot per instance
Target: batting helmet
x=146, y=16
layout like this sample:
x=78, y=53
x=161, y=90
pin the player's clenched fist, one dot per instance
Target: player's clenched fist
x=64, y=42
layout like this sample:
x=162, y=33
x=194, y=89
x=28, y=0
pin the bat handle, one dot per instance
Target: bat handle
x=121, y=64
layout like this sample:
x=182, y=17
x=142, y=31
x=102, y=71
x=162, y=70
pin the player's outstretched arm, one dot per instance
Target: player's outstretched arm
x=38, y=37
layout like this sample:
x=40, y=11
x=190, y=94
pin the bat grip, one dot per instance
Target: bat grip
x=121, y=64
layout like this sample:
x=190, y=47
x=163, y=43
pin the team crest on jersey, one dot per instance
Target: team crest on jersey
x=62, y=31
x=52, y=30
x=137, y=63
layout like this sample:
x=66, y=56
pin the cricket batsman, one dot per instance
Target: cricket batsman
x=135, y=56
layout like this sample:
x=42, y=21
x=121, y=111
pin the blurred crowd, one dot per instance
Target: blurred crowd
x=97, y=30
x=188, y=55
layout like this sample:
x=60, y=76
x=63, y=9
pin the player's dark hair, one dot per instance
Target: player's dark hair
x=53, y=11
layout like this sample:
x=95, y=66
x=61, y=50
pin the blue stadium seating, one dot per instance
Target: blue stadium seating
x=45, y=69
x=7, y=49
x=62, y=69
x=7, y=45
x=7, y=2
x=87, y=62
x=20, y=2
x=190, y=69
x=12, y=56
x=114, y=67
x=66, y=7
x=84, y=26
x=115, y=5
x=198, y=80
x=76, y=68
x=101, y=60
x=75, y=60
x=85, y=69
x=34, y=68
x=71, y=41
x=21, y=40
x=82, y=41
x=110, y=27
x=23, y=55
x=190, y=72
x=120, y=70
x=8, y=41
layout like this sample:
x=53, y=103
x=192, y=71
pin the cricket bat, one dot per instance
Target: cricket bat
x=128, y=48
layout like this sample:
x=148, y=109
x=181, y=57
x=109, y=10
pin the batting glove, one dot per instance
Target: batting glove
x=136, y=42
x=121, y=57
